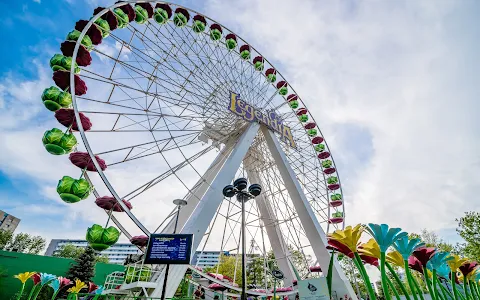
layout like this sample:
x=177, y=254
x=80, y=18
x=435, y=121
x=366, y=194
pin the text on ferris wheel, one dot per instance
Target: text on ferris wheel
x=270, y=119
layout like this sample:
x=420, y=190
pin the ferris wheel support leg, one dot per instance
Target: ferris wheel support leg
x=194, y=196
x=207, y=207
x=313, y=230
x=280, y=248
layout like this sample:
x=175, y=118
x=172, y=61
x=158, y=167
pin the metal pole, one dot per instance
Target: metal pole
x=244, y=271
x=164, y=289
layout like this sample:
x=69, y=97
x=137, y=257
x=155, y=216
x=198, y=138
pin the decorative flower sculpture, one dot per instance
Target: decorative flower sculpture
x=73, y=190
x=57, y=142
x=23, y=277
x=66, y=117
x=438, y=259
x=406, y=246
x=468, y=269
x=199, y=24
x=370, y=248
x=77, y=287
x=39, y=280
x=385, y=237
x=84, y=161
x=100, y=238
x=455, y=262
x=339, y=247
x=92, y=287
x=110, y=203
x=395, y=258
x=369, y=260
x=348, y=237
x=415, y=264
x=54, y=99
x=424, y=254
x=162, y=13
x=99, y=290
x=58, y=284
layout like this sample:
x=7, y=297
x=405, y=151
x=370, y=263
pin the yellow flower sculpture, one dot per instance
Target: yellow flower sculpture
x=456, y=262
x=370, y=248
x=78, y=286
x=395, y=258
x=23, y=277
x=349, y=236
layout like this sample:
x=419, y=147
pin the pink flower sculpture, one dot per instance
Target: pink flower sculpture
x=62, y=80
x=468, y=268
x=139, y=240
x=92, y=287
x=424, y=254
x=84, y=161
x=369, y=260
x=415, y=264
x=110, y=203
x=66, y=117
x=339, y=247
x=93, y=32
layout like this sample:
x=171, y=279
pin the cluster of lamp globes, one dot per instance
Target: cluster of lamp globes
x=239, y=188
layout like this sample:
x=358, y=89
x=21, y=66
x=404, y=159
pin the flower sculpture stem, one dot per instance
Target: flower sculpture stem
x=453, y=277
x=410, y=281
x=330, y=274
x=473, y=287
x=468, y=296
x=358, y=263
x=429, y=284
x=434, y=283
x=397, y=279
x=384, y=276
x=446, y=293
x=390, y=284
x=417, y=287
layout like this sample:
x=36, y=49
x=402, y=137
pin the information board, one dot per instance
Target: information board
x=313, y=289
x=169, y=249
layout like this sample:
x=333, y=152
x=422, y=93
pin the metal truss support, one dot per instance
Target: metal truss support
x=313, y=230
x=280, y=248
x=206, y=208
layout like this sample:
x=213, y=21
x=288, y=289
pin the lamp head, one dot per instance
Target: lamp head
x=180, y=202
x=229, y=191
x=240, y=184
x=255, y=189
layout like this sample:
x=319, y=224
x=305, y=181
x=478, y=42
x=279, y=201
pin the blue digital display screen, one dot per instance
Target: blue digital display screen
x=169, y=249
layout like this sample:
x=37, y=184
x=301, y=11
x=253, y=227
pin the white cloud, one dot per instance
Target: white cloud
x=395, y=70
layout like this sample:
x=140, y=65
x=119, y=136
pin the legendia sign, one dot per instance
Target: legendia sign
x=251, y=114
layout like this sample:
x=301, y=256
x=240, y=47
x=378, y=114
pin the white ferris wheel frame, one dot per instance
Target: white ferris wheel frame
x=207, y=195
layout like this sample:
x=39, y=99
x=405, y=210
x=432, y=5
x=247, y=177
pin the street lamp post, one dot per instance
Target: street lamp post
x=239, y=189
x=179, y=203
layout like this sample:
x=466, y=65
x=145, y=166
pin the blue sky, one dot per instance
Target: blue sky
x=393, y=84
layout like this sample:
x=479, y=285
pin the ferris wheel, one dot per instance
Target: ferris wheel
x=169, y=104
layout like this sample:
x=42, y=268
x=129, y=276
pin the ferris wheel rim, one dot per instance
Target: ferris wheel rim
x=85, y=139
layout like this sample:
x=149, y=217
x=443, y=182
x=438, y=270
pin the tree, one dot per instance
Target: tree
x=84, y=266
x=74, y=252
x=469, y=229
x=22, y=242
x=431, y=239
x=6, y=236
x=69, y=251
x=226, y=266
